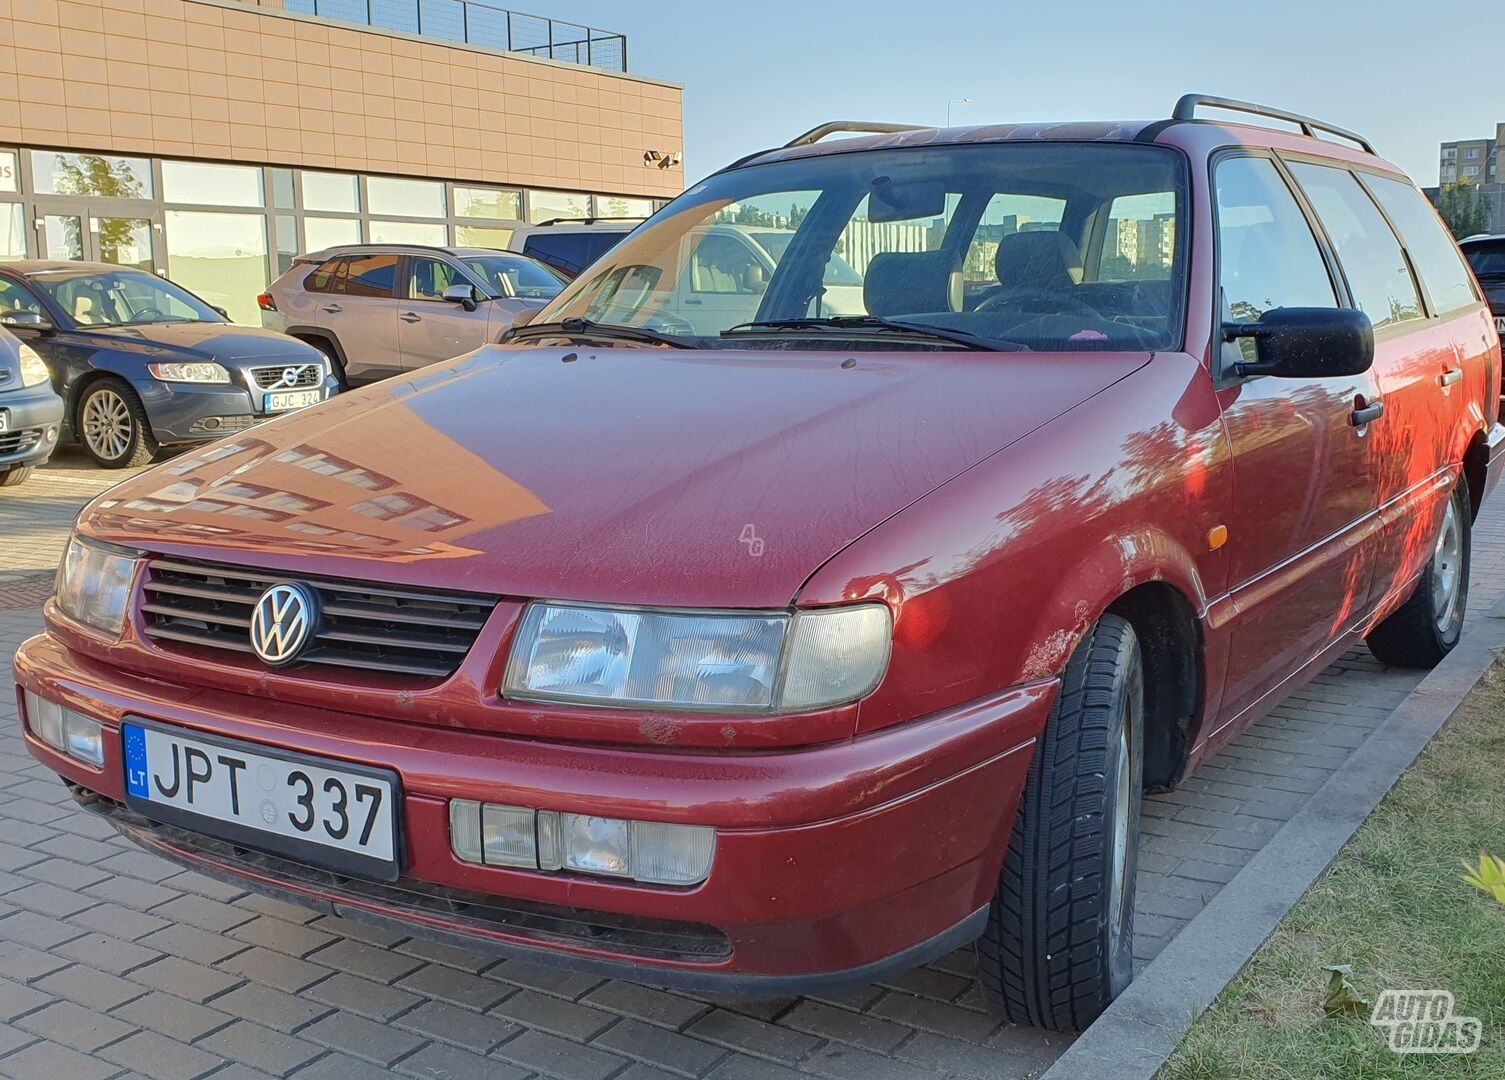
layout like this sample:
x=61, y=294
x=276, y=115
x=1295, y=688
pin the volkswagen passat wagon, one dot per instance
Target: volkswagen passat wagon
x=789, y=652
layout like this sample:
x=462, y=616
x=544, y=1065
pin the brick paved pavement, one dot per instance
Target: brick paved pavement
x=114, y=964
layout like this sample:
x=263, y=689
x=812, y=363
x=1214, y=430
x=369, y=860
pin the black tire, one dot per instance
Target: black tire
x=1424, y=629
x=132, y=444
x=1059, y=945
x=16, y=475
x=332, y=356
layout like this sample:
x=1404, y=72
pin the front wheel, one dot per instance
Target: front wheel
x=16, y=475
x=1425, y=628
x=1059, y=942
x=113, y=427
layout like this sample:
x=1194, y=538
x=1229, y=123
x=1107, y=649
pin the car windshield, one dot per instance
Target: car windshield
x=121, y=298
x=512, y=275
x=1487, y=259
x=1050, y=246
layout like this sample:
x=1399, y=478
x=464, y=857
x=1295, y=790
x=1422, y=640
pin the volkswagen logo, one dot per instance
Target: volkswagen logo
x=283, y=622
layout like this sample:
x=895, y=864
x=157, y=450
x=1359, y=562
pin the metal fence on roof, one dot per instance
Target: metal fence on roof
x=476, y=23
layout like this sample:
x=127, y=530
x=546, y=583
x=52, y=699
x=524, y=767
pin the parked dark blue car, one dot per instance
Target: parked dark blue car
x=31, y=413
x=142, y=363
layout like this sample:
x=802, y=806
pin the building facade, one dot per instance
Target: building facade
x=214, y=140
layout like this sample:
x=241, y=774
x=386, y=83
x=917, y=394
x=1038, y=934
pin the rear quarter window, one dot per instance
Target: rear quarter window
x=324, y=277
x=1433, y=253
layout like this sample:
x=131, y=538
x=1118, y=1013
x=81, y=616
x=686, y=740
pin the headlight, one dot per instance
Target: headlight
x=94, y=584
x=709, y=661
x=33, y=370
x=204, y=371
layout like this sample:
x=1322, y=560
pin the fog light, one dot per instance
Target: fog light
x=465, y=829
x=80, y=737
x=52, y=433
x=596, y=845
x=508, y=837
x=45, y=718
x=672, y=854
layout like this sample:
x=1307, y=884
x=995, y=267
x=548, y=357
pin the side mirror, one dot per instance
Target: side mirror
x=1306, y=343
x=461, y=294
x=524, y=317
x=25, y=320
x=755, y=279
x=225, y=312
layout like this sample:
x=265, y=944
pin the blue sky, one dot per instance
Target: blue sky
x=757, y=73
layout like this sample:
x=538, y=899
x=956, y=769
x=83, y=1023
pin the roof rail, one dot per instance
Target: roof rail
x=864, y=127
x=591, y=220
x=1186, y=109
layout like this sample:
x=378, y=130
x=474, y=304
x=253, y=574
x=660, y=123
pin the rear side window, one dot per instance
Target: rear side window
x=1368, y=251
x=1267, y=255
x=1487, y=257
x=326, y=277
x=570, y=252
x=371, y=275
x=1432, y=250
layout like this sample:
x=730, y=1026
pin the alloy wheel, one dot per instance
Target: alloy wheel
x=1118, y=888
x=1447, y=568
x=107, y=424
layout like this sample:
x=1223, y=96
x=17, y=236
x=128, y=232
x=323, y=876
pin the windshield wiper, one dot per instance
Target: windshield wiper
x=584, y=328
x=878, y=324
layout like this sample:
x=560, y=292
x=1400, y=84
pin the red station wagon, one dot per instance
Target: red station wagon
x=793, y=647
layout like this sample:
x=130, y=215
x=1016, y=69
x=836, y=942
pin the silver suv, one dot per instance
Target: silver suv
x=381, y=309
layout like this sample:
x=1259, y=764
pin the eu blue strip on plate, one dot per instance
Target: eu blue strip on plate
x=135, y=761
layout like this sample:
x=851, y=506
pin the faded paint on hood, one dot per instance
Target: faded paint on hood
x=647, y=476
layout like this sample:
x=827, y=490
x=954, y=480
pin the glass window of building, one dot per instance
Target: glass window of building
x=320, y=233
x=102, y=175
x=493, y=203
x=332, y=192
x=211, y=185
x=125, y=242
x=10, y=174
x=405, y=198
x=287, y=242
x=282, y=189
x=489, y=236
x=12, y=231
x=407, y=232
x=63, y=235
x=221, y=257
x=547, y=205
x=622, y=206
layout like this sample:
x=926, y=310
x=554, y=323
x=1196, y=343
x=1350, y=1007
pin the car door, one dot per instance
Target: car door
x=360, y=311
x=727, y=277
x=1305, y=486
x=431, y=328
x=23, y=313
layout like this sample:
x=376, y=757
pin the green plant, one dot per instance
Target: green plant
x=1464, y=209
x=1489, y=876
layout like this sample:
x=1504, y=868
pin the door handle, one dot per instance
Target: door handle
x=1450, y=376
x=693, y=303
x=334, y=309
x=409, y=316
x=1367, y=414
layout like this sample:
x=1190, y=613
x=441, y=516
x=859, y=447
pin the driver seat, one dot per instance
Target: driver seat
x=85, y=310
x=1046, y=261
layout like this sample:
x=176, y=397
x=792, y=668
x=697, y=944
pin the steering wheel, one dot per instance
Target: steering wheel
x=151, y=314
x=1051, y=300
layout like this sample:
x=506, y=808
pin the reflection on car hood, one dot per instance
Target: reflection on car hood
x=617, y=475
x=226, y=343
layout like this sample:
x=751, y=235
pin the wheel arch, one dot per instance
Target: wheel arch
x=1475, y=462
x=317, y=336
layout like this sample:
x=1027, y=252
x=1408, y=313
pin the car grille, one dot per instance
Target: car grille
x=19, y=442
x=361, y=626
x=270, y=378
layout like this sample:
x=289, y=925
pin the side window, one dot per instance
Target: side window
x=1370, y=254
x=326, y=277
x=1267, y=255
x=725, y=264
x=428, y=278
x=1433, y=252
x=14, y=297
x=1140, y=244
x=1005, y=215
x=371, y=275
x=570, y=253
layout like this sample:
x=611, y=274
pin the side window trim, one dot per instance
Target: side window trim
x=1222, y=376
x=1429, y=305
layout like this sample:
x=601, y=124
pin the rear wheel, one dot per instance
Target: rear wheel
x=1425, y=628
x=113, y=427
x=1059, y=943
x=331, y=358
x=16, y=474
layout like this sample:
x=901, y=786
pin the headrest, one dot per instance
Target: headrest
x=1038, y=260
x=905, y=282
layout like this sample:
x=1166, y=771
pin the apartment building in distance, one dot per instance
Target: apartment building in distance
x=214, y=140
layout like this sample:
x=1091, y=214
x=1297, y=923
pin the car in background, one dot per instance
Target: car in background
x=142, y=363
x=31, y=412
x=569, y=245
x=377, y=310
x=1486, y=254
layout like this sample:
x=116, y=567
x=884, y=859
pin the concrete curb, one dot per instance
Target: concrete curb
x=1140, y=1030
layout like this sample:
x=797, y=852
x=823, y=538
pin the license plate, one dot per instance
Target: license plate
x=1500, y=323
x=284, y=400
x=320, y=811
x=4, y=419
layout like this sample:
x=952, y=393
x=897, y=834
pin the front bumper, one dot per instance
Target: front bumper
x=834, y=863
x=32, y=420
x=190, y=412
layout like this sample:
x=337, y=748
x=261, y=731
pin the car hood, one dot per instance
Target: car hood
x=226, y=343
x=642, y=476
